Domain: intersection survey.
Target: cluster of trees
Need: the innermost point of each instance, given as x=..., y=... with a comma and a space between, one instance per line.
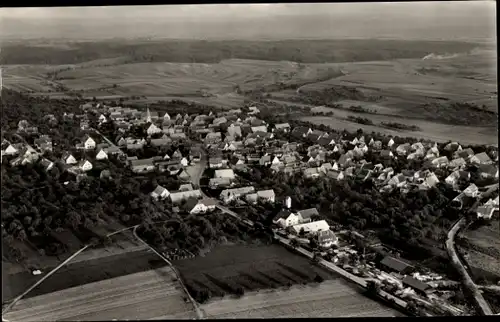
x=401, y=126
x=361, y=109
x=459, y=113
x=305, y=51
x=360, y=120
x=329, y=95
x=195, y=233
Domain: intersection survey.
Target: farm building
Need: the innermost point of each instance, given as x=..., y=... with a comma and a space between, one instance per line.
x=142, y=165
x=395, y=265
x=286, y=219
x=101, y=155
x=232, y=194
x=178, y=196
x=311, y=227
x=419, y=286
x=326, y=239
x=307, y=215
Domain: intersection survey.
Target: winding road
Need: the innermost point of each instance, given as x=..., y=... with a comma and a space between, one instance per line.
x=481, y=303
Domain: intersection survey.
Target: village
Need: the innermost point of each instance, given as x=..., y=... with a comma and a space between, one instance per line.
x=206, y=154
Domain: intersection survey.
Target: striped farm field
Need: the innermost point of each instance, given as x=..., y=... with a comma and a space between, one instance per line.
x=145, y=295
x=332, y=298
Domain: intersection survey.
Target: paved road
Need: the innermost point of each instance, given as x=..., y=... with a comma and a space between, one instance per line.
x=467, y=280
x=199, y=312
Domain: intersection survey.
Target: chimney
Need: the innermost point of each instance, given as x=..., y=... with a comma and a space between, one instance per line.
x=288, y=202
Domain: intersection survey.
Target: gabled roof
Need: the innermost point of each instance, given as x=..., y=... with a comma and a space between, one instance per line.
x=416, y=284
x=159, y=190
x=307, y=213
x=283, y=214
x=266, y=193
x=482, y=157
x=395, y=264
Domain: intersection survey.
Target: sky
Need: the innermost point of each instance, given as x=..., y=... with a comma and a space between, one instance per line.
x=436, y=19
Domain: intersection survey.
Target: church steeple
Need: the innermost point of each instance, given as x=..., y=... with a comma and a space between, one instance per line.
x=148, y=116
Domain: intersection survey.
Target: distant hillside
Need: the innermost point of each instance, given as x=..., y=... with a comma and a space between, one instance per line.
x=188, y=51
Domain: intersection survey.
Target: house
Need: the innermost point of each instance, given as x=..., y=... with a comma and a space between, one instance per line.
x=390, y=143
x=178, y=136
x=398, y=180
x=12, y=149
x=363, y=174
x=88, y=143
x=471, y=191
x=46, y=164
x=67, y=158
x=440, y=162
x=101, y=155
x=203, y=206
x=312, y=172
x=336, y=175
x=153, y=129
x=286, y=219
x=419, y=286
x=455, y=176
x=429, y=181
x=465, y=154
x=213, y=138
x=457, y=163
x=311, y=227
x=219, y=120
x=266, y=195
x=392, y=264
x=265, y=160
x=229, y=195
x=344, y=160
x=284, y=127
x=102, y=119
x=326, y=239
x=184, y=162
x=488, y=171
x=219, y=182
x=234, y=130
x=166, y=117
x=85, y=165
x=306, y=215
x=403, y=149
x=160, y=193
x=215, y=162
x=44, y=144
x=252, y=198
x=179, y=196
x=325, y=167
x=480, y=158
x=142, y=165
x=432, y=153
x=224, y=173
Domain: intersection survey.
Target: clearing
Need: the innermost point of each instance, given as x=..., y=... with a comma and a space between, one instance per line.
x=144, y=295
x=333, y=298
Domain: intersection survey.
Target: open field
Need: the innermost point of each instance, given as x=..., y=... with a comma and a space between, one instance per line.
x=250, y=267
x=145, y=295
x=430, y=130
x=81, y=272
x=482, y=239
x=333, y=298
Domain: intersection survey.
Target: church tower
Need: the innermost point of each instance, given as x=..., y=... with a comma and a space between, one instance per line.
x=148, y=116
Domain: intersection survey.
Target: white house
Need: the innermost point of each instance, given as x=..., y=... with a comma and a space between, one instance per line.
x=153, y=129
x=261, y=128
x=85, y=165
x=286, y=219
x=101, y=155
x=69, y=159
x=102, y=119
x=203, y=206
x=232, y=194
x=390, y=143
x=10, y=150
x=184, y=162
x=160, y=193
x=266, y=195
x=89, y=143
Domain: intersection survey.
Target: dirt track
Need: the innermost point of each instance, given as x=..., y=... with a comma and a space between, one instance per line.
x=146, y=295
x=333, y=298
